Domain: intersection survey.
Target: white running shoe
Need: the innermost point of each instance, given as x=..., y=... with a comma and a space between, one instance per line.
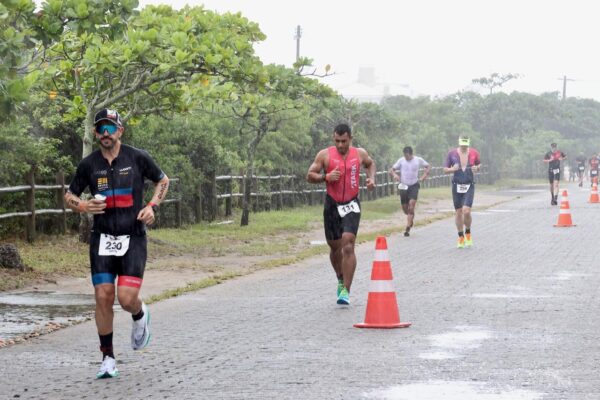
x=108, y=369
x=140, y=331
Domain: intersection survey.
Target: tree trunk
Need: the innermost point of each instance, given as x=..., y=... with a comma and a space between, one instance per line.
x=247, y=188
x=85, y=223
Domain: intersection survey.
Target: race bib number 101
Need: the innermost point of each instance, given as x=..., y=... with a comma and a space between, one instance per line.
x=113, y=245
x=346, y=209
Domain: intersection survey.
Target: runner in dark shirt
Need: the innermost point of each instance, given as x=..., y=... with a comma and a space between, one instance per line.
x=115, y=177
x=553, y=159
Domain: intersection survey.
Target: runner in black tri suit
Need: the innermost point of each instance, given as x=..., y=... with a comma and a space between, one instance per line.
x=115, y=176
x=553, y=159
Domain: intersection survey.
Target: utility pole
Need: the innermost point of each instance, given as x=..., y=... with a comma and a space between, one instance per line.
x=564, y=79
x=297, y=37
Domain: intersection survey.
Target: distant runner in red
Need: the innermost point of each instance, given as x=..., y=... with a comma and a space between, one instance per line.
x=339, y=167
x=553, y=159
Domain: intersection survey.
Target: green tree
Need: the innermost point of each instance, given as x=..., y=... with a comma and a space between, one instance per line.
x=26, y=35
x=495, y=80
x=263, y=108
x=157, y=62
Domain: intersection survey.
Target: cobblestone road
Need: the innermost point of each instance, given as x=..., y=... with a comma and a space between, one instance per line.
x=515, y=317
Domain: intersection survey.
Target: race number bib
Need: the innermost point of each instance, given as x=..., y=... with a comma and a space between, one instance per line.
x=556, y=171
x=594, y=172
x=581, y=168
x=346, y=209
x=402, y=186
x=462, y=188
x=113, y=245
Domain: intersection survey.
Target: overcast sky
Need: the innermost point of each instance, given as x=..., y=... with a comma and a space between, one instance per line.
x=434, y=46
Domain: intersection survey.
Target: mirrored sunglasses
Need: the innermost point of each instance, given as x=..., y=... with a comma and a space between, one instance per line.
x=106, y=128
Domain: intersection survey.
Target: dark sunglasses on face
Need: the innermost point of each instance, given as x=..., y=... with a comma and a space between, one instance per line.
x=106, y=128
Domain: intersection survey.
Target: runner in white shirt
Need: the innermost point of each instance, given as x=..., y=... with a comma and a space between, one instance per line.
x=406, y=171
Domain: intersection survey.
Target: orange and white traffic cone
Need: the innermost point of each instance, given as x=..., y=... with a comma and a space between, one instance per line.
x=594, y=198
x=382, y=307
x=564, y=214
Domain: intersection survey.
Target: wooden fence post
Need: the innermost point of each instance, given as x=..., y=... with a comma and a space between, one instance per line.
x=60, y=202
x=293, y=195
x=178, y=205
x=255, y=189
x=386, y=180
x=30, y=204
x=280, y=195
x=229, y=200
x=268, y=194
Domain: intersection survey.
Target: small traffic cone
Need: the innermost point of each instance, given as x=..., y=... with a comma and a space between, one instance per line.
x=382, y=307
x=594, y=198
x=564, y=214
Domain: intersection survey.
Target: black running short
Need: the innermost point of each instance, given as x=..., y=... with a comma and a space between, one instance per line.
x=461, y=200
x=129, y=267
x=552, y=176
x=412, y=193
x=335, y=226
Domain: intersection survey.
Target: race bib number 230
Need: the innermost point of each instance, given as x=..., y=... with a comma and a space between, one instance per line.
x=113, y=245
x=346, y=209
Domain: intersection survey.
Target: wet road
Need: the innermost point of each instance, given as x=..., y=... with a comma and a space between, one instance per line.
x=513, y=318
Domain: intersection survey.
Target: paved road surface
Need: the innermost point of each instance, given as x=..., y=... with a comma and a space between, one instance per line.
x=516, y=317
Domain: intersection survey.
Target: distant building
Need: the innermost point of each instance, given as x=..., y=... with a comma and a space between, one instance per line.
x=366, y=87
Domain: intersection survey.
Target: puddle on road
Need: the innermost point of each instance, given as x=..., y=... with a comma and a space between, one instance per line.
x=438, y=355
x=23, y=313
x=448, y=390
x=465, y=337
x=566, y=275
x=507, y=296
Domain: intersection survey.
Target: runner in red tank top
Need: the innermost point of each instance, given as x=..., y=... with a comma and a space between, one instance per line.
x=339, y=167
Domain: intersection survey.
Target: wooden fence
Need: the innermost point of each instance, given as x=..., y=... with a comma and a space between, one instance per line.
x=60, y=210
x=276, y=191
x=269, y=192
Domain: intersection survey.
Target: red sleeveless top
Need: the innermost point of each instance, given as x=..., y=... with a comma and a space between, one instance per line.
x=346, y=188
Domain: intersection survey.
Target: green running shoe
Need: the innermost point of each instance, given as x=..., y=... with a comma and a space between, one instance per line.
x=340, y=287
x=344, y=297
x=468, y=240
x=108, y=369
x=461, y=242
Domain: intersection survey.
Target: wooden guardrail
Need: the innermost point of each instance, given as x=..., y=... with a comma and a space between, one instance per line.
x=60, y=210
x=268, y=192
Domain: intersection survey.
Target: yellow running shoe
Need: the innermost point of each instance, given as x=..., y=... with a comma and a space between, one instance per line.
x=468, y=240
x=461, y=242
